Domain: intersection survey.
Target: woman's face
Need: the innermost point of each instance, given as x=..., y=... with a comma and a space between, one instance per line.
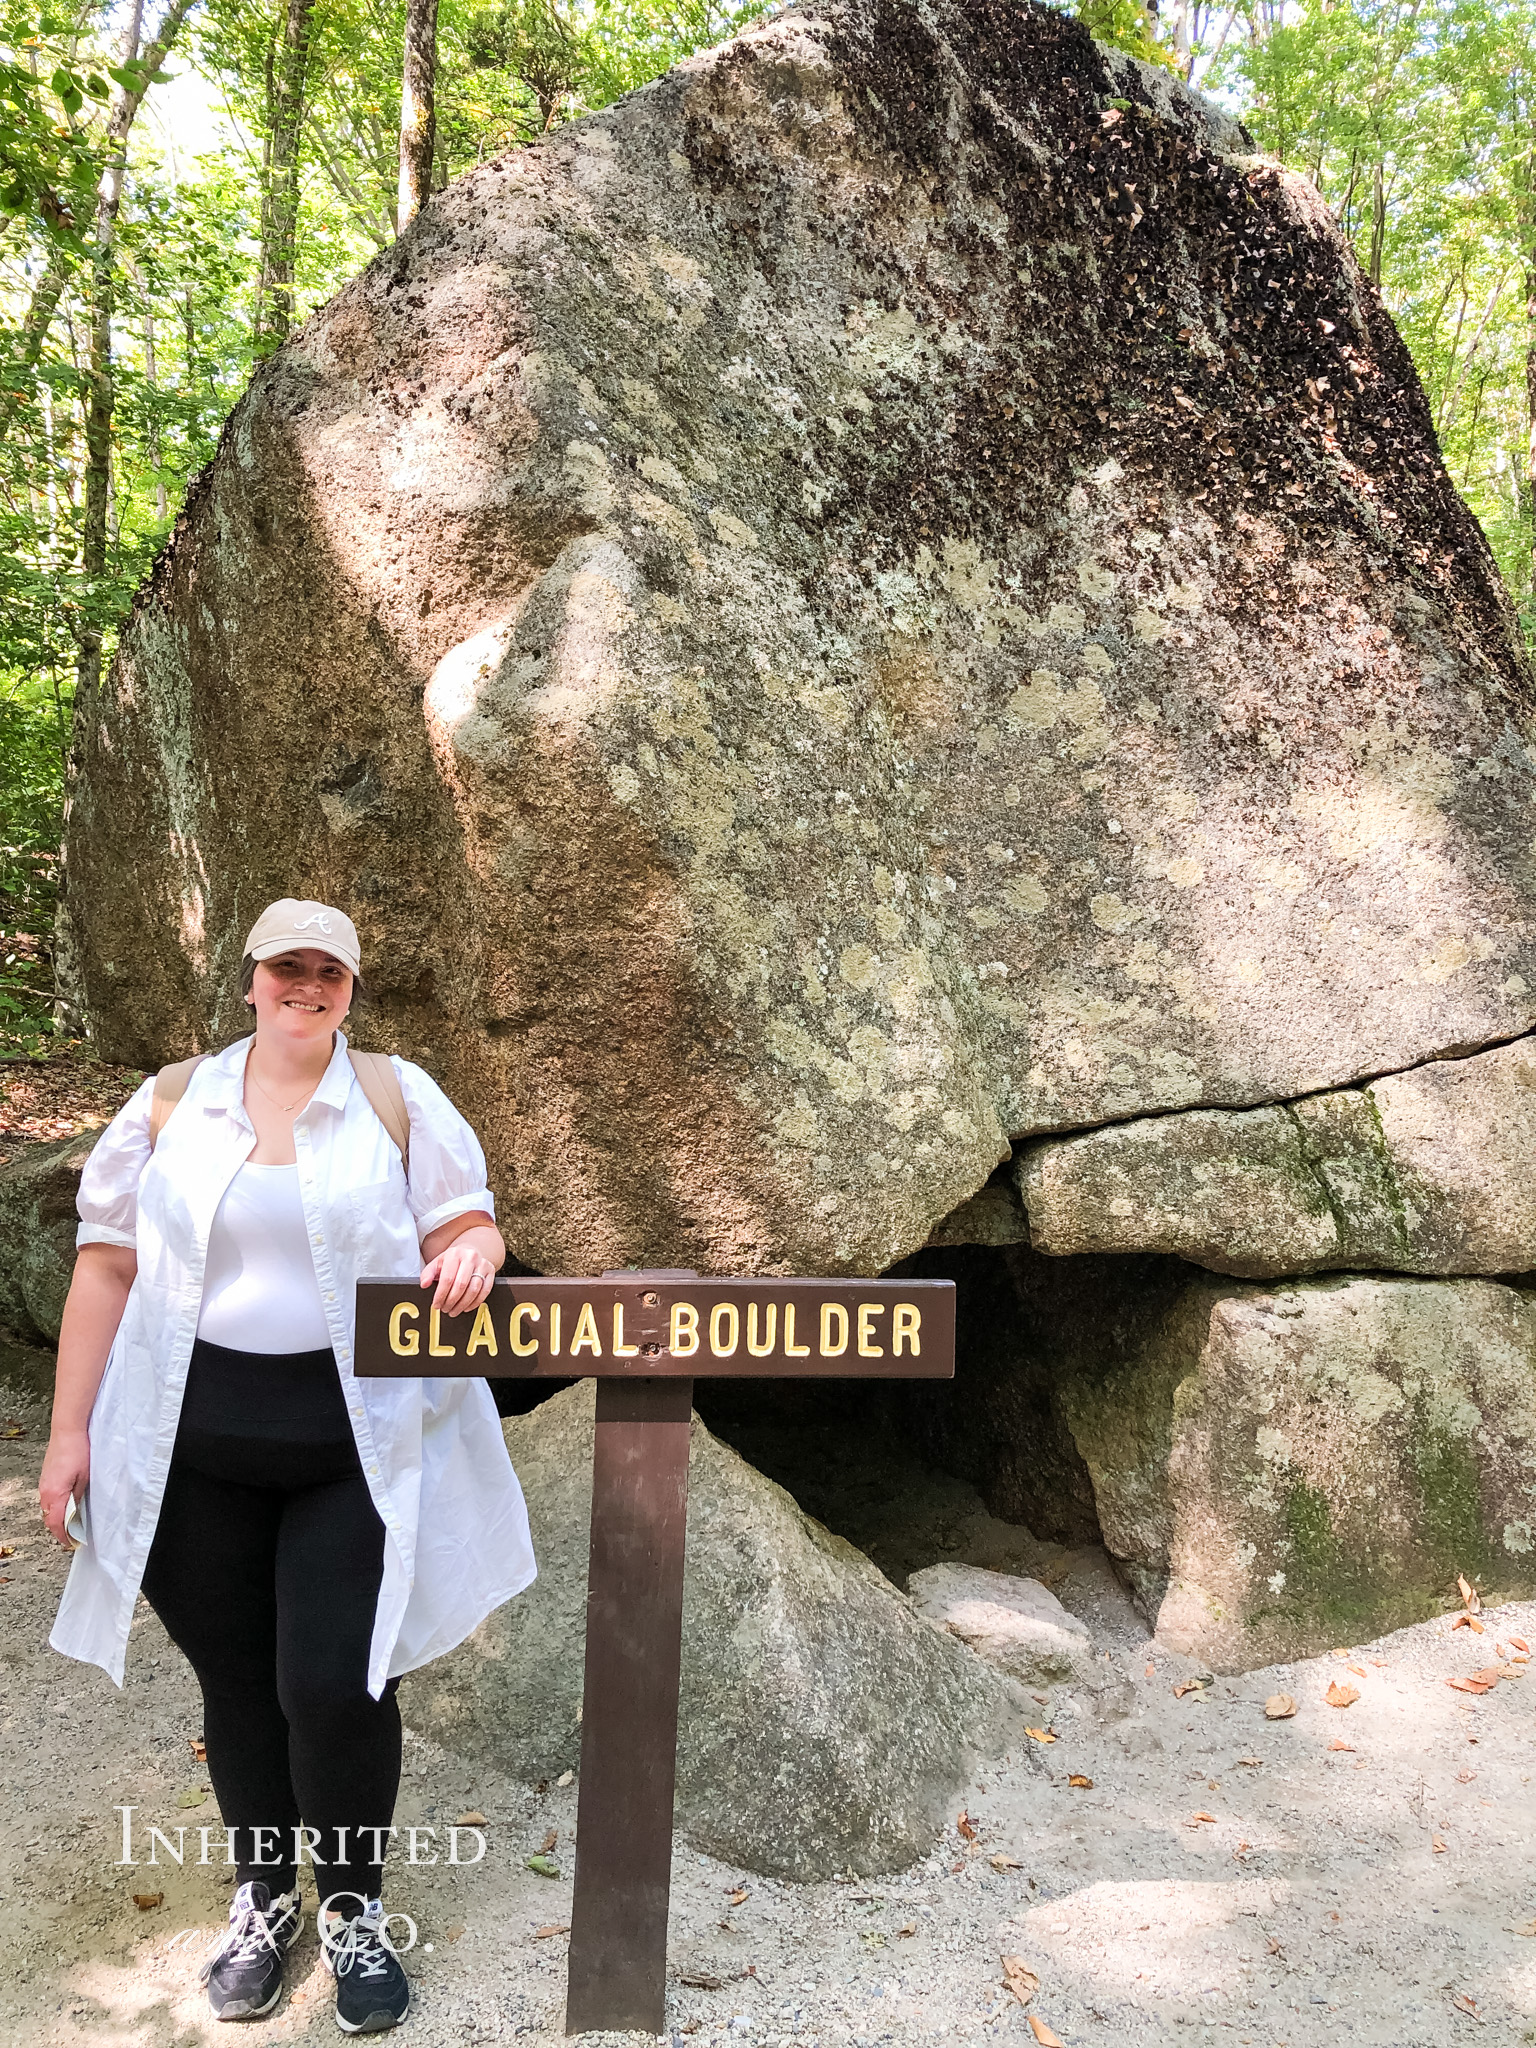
x=302, y=995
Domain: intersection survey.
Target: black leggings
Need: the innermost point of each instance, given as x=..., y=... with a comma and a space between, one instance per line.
x=265, y=1570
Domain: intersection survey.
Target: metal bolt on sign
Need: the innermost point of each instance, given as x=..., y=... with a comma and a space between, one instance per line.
x=645, y=1337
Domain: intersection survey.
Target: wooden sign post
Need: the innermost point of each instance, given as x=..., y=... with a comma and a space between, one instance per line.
x=645, y=1337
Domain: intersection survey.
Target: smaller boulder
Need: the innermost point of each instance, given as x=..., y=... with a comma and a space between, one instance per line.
x=1016, y=1624
x=38, y=1220
x=822, y=1725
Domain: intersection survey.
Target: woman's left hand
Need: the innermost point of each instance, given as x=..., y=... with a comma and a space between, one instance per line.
x=464, y=1275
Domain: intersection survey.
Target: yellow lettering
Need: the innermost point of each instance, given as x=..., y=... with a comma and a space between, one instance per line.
x=771, y=1316
x=521, y=1346
x=684, y=1340
x=791, y=1348
x=482, y=1337
x=586, y=1332
x=404, y=1343
x=868, y=1310
x=554, y=1329
x=829, y=1309
x=620, y=1348
x=906, y=1322
x=717, y=1316
x=436, y=1348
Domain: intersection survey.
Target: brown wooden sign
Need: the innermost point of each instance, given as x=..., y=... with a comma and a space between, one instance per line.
x=674, y=1326
x=645, y=1337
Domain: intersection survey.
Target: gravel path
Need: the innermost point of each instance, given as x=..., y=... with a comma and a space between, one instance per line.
x=1358, y=1874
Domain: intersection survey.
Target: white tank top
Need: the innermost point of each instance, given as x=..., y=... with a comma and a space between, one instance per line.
x=259, y=1288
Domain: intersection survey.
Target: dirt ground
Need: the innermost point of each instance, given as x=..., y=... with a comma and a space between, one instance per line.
x=1358, y=1874
x=46, y=1099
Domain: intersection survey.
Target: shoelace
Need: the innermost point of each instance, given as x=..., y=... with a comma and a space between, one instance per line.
x=363, y=1942
x=244, y=1938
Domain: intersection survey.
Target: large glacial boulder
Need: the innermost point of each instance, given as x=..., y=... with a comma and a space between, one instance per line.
x=823, y=1724
x=891, y=591
x=1424, y=1172
x=1283, y=1469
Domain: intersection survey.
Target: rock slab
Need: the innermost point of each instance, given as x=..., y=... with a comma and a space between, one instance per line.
x=1427, y=1171
x=824, y=1726
x=890, y=591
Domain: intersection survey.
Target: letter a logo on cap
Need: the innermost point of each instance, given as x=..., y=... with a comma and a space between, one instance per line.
x=303, y=924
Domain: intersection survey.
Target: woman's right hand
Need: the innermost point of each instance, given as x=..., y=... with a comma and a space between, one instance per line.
x=66, y=1470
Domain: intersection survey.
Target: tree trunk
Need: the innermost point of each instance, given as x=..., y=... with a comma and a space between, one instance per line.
x=418, y=110
x=34, y=330
x=99, y=393
x=280, y=196
x=152, y=438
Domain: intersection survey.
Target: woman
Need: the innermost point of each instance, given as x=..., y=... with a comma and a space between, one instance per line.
x=305, y=1536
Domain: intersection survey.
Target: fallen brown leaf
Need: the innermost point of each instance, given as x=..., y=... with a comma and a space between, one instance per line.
x=1519, y=1643
x=1242, y=1848
x=1254, y=1763
x=1469, y=1596
x=1190, y=1685
x=1463, y=2003
x=1043, y=2034
x=12, y=1431
x=1002, y=1862
x=1337, y=1744
x=1469, y=1685
x=1151, y=1671
x=966, y=1828
x=1465, y=1777
x=1040, y=1734
x=902, y=1933
x=1083, y=1784
x=1196, y=1820
x=473, y=1819
x=199, y=1749
x=738, y=1897
x=147, y=1901
x=1020, y=1979
x=1528, y=1930
x=1358, y=1669
x=7, y=1550
x=1341, y=1695
x=1490, y=1674
x=1279, y=1707
x=1274, y=1947
x=549, y=1841
x=697, y=1980
x=1437, y=1844
x=1467, y=1621
x=539, y=1933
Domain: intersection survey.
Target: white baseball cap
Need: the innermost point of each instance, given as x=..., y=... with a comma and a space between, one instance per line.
x=289, y=923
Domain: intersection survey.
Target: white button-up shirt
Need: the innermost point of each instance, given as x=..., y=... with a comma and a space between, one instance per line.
x=457, y=1542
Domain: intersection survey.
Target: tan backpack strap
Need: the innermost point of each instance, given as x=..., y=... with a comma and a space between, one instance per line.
x=170, y=1086
x=378, y=1080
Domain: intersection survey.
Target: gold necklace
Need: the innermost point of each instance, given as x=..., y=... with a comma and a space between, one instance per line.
x=286, y=1107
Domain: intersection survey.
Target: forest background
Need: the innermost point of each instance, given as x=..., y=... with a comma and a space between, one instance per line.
x=183, y=181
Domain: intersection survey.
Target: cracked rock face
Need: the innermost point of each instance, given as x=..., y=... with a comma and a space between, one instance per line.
x=1423, y=1172
x=889, y=592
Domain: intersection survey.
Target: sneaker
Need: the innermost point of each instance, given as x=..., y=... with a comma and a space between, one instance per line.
x=244, y=1973
x=372, y=1990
